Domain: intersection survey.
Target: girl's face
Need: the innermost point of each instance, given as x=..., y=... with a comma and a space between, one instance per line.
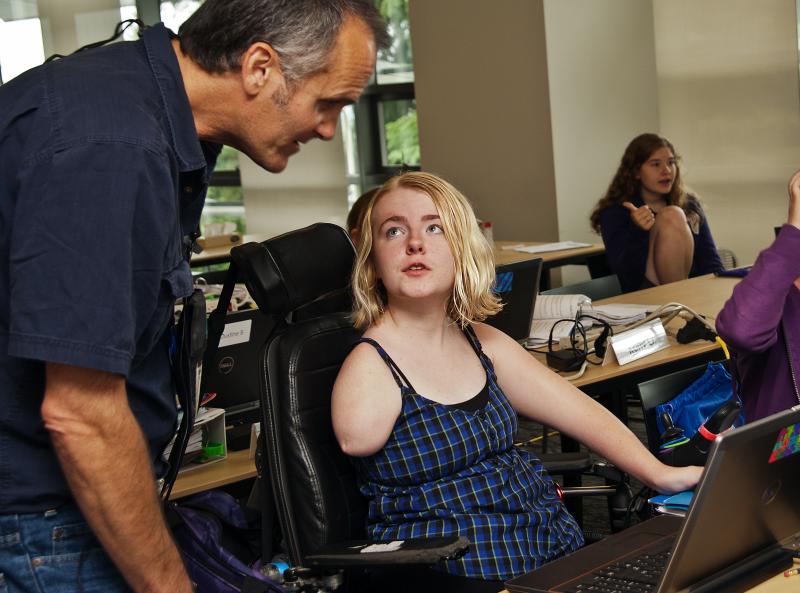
x=409, y=249
x=657, y=174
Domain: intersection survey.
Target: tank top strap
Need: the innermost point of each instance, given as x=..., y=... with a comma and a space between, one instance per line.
x=476, y=345
x=399, y=377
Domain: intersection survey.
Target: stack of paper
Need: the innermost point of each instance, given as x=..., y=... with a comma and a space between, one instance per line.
x=545, y=247
x=552, y=307
x=620, y=314
x=199, y=435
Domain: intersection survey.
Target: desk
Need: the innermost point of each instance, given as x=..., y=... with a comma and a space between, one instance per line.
x=777, y=584
x=705, y=295
x=221, y=254
x=234, y=468
x=550, y=259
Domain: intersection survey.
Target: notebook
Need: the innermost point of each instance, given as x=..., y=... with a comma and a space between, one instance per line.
x=746, y=505
x=517, y=285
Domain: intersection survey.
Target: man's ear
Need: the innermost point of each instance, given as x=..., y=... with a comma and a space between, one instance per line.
x=260, y=67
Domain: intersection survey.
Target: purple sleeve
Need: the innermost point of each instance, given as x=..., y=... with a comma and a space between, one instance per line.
x=626, y=246
x=750, y=318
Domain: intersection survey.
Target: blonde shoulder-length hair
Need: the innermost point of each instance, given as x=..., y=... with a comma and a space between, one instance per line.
x=472, y=298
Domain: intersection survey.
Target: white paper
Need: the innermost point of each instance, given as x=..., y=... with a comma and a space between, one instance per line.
x=545, y=247
x=620, y=314
x=236, y=333
x=638, y=342
x=559, y=306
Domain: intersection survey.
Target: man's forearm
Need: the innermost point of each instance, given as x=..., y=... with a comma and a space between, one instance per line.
x=104, y=458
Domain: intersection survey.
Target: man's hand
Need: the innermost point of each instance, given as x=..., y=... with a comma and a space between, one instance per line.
x=106, y=463
x=643, y=217
x=794, y=200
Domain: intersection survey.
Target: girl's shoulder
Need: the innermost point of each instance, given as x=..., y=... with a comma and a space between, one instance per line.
x=693, y=203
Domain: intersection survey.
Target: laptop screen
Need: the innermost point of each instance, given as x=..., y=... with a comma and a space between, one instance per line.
x=517, y=285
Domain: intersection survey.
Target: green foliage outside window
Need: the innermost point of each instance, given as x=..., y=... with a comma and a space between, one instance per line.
x=395, y=12
x=228, y=159
x=402, y=134
x=224, y=193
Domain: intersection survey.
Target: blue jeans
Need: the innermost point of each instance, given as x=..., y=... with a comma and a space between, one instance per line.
x=54, y=552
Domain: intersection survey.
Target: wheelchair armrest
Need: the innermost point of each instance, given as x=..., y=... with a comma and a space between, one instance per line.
x=420, y=550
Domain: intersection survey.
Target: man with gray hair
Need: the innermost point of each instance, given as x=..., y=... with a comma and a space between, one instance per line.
x=105, y=158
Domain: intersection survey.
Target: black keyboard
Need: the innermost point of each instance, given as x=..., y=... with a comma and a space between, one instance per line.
x=639, y=574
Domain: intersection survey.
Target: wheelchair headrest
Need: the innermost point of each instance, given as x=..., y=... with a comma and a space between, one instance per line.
x=287, y=272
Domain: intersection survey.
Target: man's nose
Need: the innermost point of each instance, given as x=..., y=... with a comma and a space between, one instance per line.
x=326, y=129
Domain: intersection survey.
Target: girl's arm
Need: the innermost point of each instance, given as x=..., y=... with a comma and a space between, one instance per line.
x=749, y=320
x=366, y=403
x=626, y=246
x=538, y=393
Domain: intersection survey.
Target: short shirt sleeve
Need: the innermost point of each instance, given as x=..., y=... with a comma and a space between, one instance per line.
x=94, y=255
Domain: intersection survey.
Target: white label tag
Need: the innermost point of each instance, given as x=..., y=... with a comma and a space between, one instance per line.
x=387, y=547
x=236, y=333
x=638, y=342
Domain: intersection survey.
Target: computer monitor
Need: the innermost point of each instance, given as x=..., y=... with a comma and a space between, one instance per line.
x=517, y=285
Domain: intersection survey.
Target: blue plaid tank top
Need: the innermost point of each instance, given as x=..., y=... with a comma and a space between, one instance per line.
x=448, y=471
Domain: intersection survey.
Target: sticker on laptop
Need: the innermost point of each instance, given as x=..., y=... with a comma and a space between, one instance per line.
x=503, y=282
x=788, y=443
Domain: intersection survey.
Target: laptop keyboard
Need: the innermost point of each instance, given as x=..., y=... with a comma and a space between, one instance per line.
x=639, y=574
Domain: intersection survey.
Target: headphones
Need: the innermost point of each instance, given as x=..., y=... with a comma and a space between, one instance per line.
x=572, y=358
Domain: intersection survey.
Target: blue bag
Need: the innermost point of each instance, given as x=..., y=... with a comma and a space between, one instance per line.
x=690, y=408
x=207, y=528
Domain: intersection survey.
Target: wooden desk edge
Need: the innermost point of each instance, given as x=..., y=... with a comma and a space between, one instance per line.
x=234, y=468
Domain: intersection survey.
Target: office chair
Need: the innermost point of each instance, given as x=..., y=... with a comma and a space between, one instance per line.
x=595, y=289
x=727, y=257
x=313, y=484
x=598, y=265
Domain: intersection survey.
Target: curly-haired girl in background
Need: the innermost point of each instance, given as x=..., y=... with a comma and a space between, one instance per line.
x=655, y=232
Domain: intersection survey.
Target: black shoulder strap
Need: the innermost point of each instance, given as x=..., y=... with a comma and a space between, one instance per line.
x=398, y=375
x=216, y=320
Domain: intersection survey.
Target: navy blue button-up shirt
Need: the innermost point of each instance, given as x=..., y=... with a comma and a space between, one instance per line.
x=96, y=153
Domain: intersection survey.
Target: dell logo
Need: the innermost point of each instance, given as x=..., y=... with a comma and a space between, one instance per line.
x=225, y=365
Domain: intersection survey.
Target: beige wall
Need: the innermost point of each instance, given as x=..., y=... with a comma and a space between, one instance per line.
x=527, y=105
x=603, y=91
x=311, y=189
x=483, y=107
x=728, y=93
x=69, y=25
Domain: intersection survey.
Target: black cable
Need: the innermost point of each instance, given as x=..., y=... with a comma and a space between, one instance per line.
x=567, y=359
x=119, y=30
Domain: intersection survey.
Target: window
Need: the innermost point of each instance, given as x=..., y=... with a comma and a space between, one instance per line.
x=30, y=31
x=380, y=132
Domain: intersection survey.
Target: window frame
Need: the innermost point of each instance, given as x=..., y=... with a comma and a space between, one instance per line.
x=371, y=149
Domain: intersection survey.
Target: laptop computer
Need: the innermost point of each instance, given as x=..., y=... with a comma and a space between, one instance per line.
x=233, y=374
x=517, y=285
x=745, y=508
